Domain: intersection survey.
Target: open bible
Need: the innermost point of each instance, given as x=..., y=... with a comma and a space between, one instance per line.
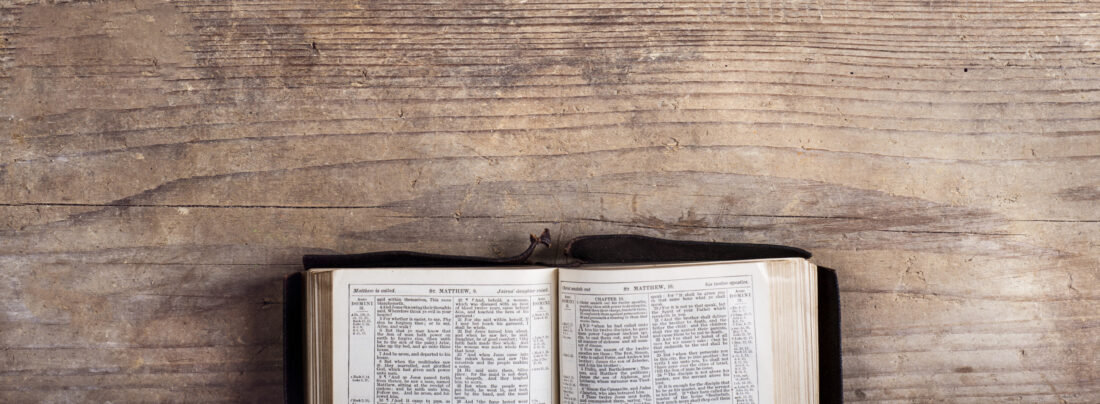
x=629, y=319
x=697, y=332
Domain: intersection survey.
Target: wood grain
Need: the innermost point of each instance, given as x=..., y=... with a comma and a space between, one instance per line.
x=164, y=164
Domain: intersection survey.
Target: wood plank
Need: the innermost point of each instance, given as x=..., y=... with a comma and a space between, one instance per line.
x=163, y=164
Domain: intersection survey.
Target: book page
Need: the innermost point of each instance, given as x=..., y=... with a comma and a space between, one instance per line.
x=694, y=333
x=444, y=336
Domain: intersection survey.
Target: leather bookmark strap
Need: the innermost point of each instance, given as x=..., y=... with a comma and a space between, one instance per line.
x=403, y=259
x=627, y=248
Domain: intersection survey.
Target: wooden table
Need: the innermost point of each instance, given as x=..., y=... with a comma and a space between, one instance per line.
x=164, y=164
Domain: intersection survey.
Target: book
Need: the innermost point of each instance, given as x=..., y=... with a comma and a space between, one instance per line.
x=473, y=330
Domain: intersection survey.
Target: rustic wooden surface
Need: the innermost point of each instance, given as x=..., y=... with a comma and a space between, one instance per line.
x=164, y=164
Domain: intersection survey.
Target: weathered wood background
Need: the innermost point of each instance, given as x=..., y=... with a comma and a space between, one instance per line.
x=164, y=164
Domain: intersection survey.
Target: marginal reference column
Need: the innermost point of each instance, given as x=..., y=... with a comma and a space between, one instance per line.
x=742, y=341
x=361, y=334
x=542, y=344
x=567, y=345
